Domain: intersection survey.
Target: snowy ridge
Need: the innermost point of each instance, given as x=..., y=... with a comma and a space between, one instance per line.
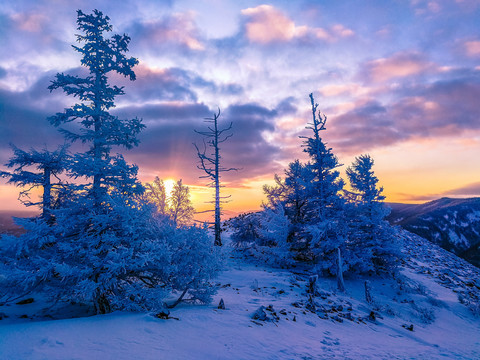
x=451, y=223
x=444, y=268
x=423, y=298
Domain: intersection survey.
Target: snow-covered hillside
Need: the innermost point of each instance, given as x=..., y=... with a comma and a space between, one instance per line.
x=431, y=311
x=454, y=224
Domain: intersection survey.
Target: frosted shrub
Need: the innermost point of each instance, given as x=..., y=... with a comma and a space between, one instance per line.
x=127, y=260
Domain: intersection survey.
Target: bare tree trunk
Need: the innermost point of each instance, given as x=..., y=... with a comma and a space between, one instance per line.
x=47, y=195
x=97, y=150
x=218, y=240
x=102, y=305
x=340, y=283
x=179, y=300
x=368, y=294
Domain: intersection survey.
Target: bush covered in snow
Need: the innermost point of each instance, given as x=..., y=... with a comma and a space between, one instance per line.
x=126, y=259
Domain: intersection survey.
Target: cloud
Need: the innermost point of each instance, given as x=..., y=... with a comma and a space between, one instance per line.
x=467, y=190
x=24, y=126
x=33, y=23
x=166, y=147
x=286, y=106
x=265, y=24
x=399, y=65
x=170, y=84
x=350, y=89
x=268, y=24
x=368, y=125
x=177, y=29
x=472, y=48
x=157, y=84
x=442, y=109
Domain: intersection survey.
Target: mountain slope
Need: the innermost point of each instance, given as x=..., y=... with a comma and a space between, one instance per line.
x=453, y=224
x=426, y=312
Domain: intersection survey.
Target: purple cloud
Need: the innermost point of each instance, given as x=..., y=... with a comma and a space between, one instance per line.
x=467, y=190
x=443, y=108
x=167, y=143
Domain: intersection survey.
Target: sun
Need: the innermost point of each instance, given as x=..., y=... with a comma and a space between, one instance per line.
x=169, y=184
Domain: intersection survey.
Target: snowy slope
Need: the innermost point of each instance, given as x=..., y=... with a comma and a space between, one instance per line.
x=454, y=224
x=426, y=295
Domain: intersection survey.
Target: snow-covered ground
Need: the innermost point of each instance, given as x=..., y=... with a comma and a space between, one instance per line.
x=344, y=326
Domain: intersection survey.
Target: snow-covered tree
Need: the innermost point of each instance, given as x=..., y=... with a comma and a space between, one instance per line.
x=177, y=207
x=48, y=164
x=181, y=210
x=156, y=194
x=105, y=248
x=324, y=189
x=264, y=235
x=97, y=128
x=310, y=198
x=290, y=194
x=324, y=229
x=372, y=244
x=244, y=229
x=364, y=182
x=210, y=164
x=126, y=260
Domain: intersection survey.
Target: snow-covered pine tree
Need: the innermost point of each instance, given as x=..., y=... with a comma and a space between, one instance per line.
x=99, y=130
x=48, y=164
x=309, y=197
x=110, y=181
x=210, y=164
x=324, y=189
x=290, y=194
x=177, y=207
x=244, y=229
x=274, y=229
x=324, y=231
x=106, y=248
x=372, y=242
x=181, y=210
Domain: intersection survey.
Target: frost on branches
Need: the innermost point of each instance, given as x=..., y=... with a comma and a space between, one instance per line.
x=372, y=242
x=177, y=207
x=314, y=220
x=103, y=246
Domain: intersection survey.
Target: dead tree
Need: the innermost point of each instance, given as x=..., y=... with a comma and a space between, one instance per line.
x=210, y=164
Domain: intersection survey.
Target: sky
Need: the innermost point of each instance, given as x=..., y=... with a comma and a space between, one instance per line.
x=399, y=80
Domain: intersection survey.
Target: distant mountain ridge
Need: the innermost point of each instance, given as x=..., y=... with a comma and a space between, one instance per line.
x=7, y=225
x=453, y=224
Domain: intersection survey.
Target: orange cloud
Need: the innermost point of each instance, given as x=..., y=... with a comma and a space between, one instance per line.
x=472, y=48
x=399, y=65
x=267, y=24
